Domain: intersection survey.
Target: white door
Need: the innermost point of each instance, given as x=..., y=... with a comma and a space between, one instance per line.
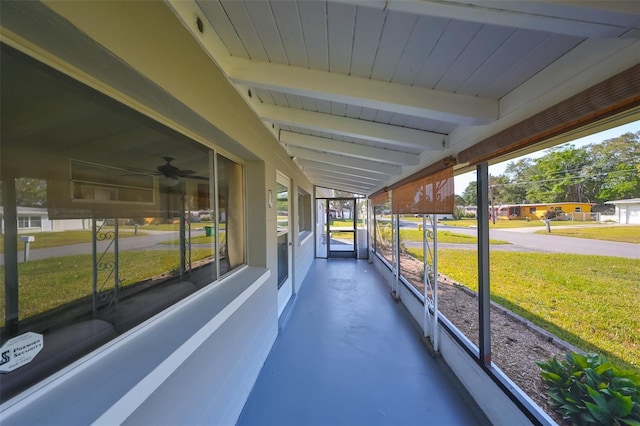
x=285, y=243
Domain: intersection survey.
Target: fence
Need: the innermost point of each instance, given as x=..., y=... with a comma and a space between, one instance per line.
x=583, y=217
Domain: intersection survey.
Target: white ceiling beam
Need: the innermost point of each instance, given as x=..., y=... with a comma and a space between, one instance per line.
x=349, y=149
x=392, y=135
x=328, y=183
x=364, y=92
x=334, y=175
x=358, y=178
x=347, y=171
x=343, y=181
x=504, y=13
x=341, y=160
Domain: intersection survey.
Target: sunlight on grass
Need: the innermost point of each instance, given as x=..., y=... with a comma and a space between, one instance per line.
x=445, y=237
x=500, y=224
x=203, y=239
x=64, y=238
x=623, y=234
x=49, y=283
x=590, y=301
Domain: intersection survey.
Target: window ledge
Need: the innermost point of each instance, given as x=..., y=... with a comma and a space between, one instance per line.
x=304, y=236
x=130, y=368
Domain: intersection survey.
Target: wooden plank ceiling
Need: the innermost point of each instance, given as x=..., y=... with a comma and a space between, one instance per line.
x=362, y=93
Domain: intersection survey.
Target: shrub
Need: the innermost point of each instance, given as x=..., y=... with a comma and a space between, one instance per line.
x=586, y=389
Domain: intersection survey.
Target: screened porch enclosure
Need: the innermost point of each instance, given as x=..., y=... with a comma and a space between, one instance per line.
x=211, y=281
x=341, y=228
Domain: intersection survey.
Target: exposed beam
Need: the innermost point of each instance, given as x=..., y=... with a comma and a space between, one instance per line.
x=392, y=135
x=349, y=149
x=359, y=178
x=354, y=163
x=507, y=13
x=341, y=186
x=348, y=171
x=341, y=178
x=364, y=92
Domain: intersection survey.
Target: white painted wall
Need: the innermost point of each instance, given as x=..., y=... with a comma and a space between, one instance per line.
x=628, y=213
x=207, y=350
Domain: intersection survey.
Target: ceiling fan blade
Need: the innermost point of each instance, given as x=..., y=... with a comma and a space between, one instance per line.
x=185, y=173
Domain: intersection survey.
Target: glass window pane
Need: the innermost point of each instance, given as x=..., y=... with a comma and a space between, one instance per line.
x=122, y=211
x=231, y=236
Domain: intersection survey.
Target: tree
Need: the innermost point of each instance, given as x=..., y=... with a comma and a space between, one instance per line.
x=470, y=194
x=31, y=192
x=595, y=173
x=559, y=176
x=519, y=174
x=459, y=201
x=615, y=167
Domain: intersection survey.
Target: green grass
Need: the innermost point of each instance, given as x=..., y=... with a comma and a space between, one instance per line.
x=445, y=237
x=624, y=234
x=49, y=283
x=64, y=238
x=172, y=226
x=203, y=239
x=590, y=301
x=500, y=224
x=343, y=223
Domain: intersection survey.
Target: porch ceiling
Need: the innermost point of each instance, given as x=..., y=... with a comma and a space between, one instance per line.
x=362, y=93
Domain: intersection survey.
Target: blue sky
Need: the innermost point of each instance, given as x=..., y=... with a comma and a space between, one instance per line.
x=462, y=181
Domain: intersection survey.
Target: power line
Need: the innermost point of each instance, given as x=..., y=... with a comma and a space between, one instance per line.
x=615, y=172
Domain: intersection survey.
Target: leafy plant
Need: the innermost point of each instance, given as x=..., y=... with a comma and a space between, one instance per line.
x=586, y=389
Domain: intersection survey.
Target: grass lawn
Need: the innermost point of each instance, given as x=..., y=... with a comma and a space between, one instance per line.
x=173, y=226
x=623, y=234
x=502, y=224
x=444, y=237
x=590, y=301
x=49, y=283
x=64, y=238
x=203, y=239
x=343, y=223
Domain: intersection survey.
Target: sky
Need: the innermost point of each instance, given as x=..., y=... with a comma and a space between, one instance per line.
x=462, y=181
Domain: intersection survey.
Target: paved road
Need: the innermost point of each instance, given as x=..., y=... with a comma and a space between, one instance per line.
x=521, y=239
x=149, y=241
x=524, y=239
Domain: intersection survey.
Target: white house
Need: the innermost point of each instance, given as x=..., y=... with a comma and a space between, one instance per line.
x=36, y=219
x=627, y=211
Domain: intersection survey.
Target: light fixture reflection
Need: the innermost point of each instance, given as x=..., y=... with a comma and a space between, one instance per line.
x=171, y=181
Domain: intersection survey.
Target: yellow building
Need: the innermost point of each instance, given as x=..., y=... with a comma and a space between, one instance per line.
x=558, y=211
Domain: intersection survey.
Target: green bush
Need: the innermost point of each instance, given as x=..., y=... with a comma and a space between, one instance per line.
x=586, y=389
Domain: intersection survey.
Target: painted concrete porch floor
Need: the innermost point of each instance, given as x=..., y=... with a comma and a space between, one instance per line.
x=349, y=355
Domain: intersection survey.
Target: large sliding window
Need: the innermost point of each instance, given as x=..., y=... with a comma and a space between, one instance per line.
x=137, y=218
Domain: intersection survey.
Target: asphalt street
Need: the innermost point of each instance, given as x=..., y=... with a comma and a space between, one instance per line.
x=149, y=241
x=520, y=239
x=525, y=239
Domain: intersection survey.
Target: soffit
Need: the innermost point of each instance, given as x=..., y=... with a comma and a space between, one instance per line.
x=414, y=77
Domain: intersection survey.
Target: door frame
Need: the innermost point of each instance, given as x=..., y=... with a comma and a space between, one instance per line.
x=354, y=215
x=285, y=286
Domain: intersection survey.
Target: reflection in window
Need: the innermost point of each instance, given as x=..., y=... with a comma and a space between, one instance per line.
x=282, y=202
x=125, y=215
x=383, y=222
x=304, y=212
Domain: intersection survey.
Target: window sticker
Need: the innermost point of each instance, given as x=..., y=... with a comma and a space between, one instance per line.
x=20, y=351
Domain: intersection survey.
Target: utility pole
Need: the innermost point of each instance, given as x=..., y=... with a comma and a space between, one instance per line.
x=493, y=209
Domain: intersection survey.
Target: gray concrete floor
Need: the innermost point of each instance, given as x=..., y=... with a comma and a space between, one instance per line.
x=349, y=355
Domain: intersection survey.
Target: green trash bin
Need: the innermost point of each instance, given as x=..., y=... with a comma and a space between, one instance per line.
x=208, y=231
